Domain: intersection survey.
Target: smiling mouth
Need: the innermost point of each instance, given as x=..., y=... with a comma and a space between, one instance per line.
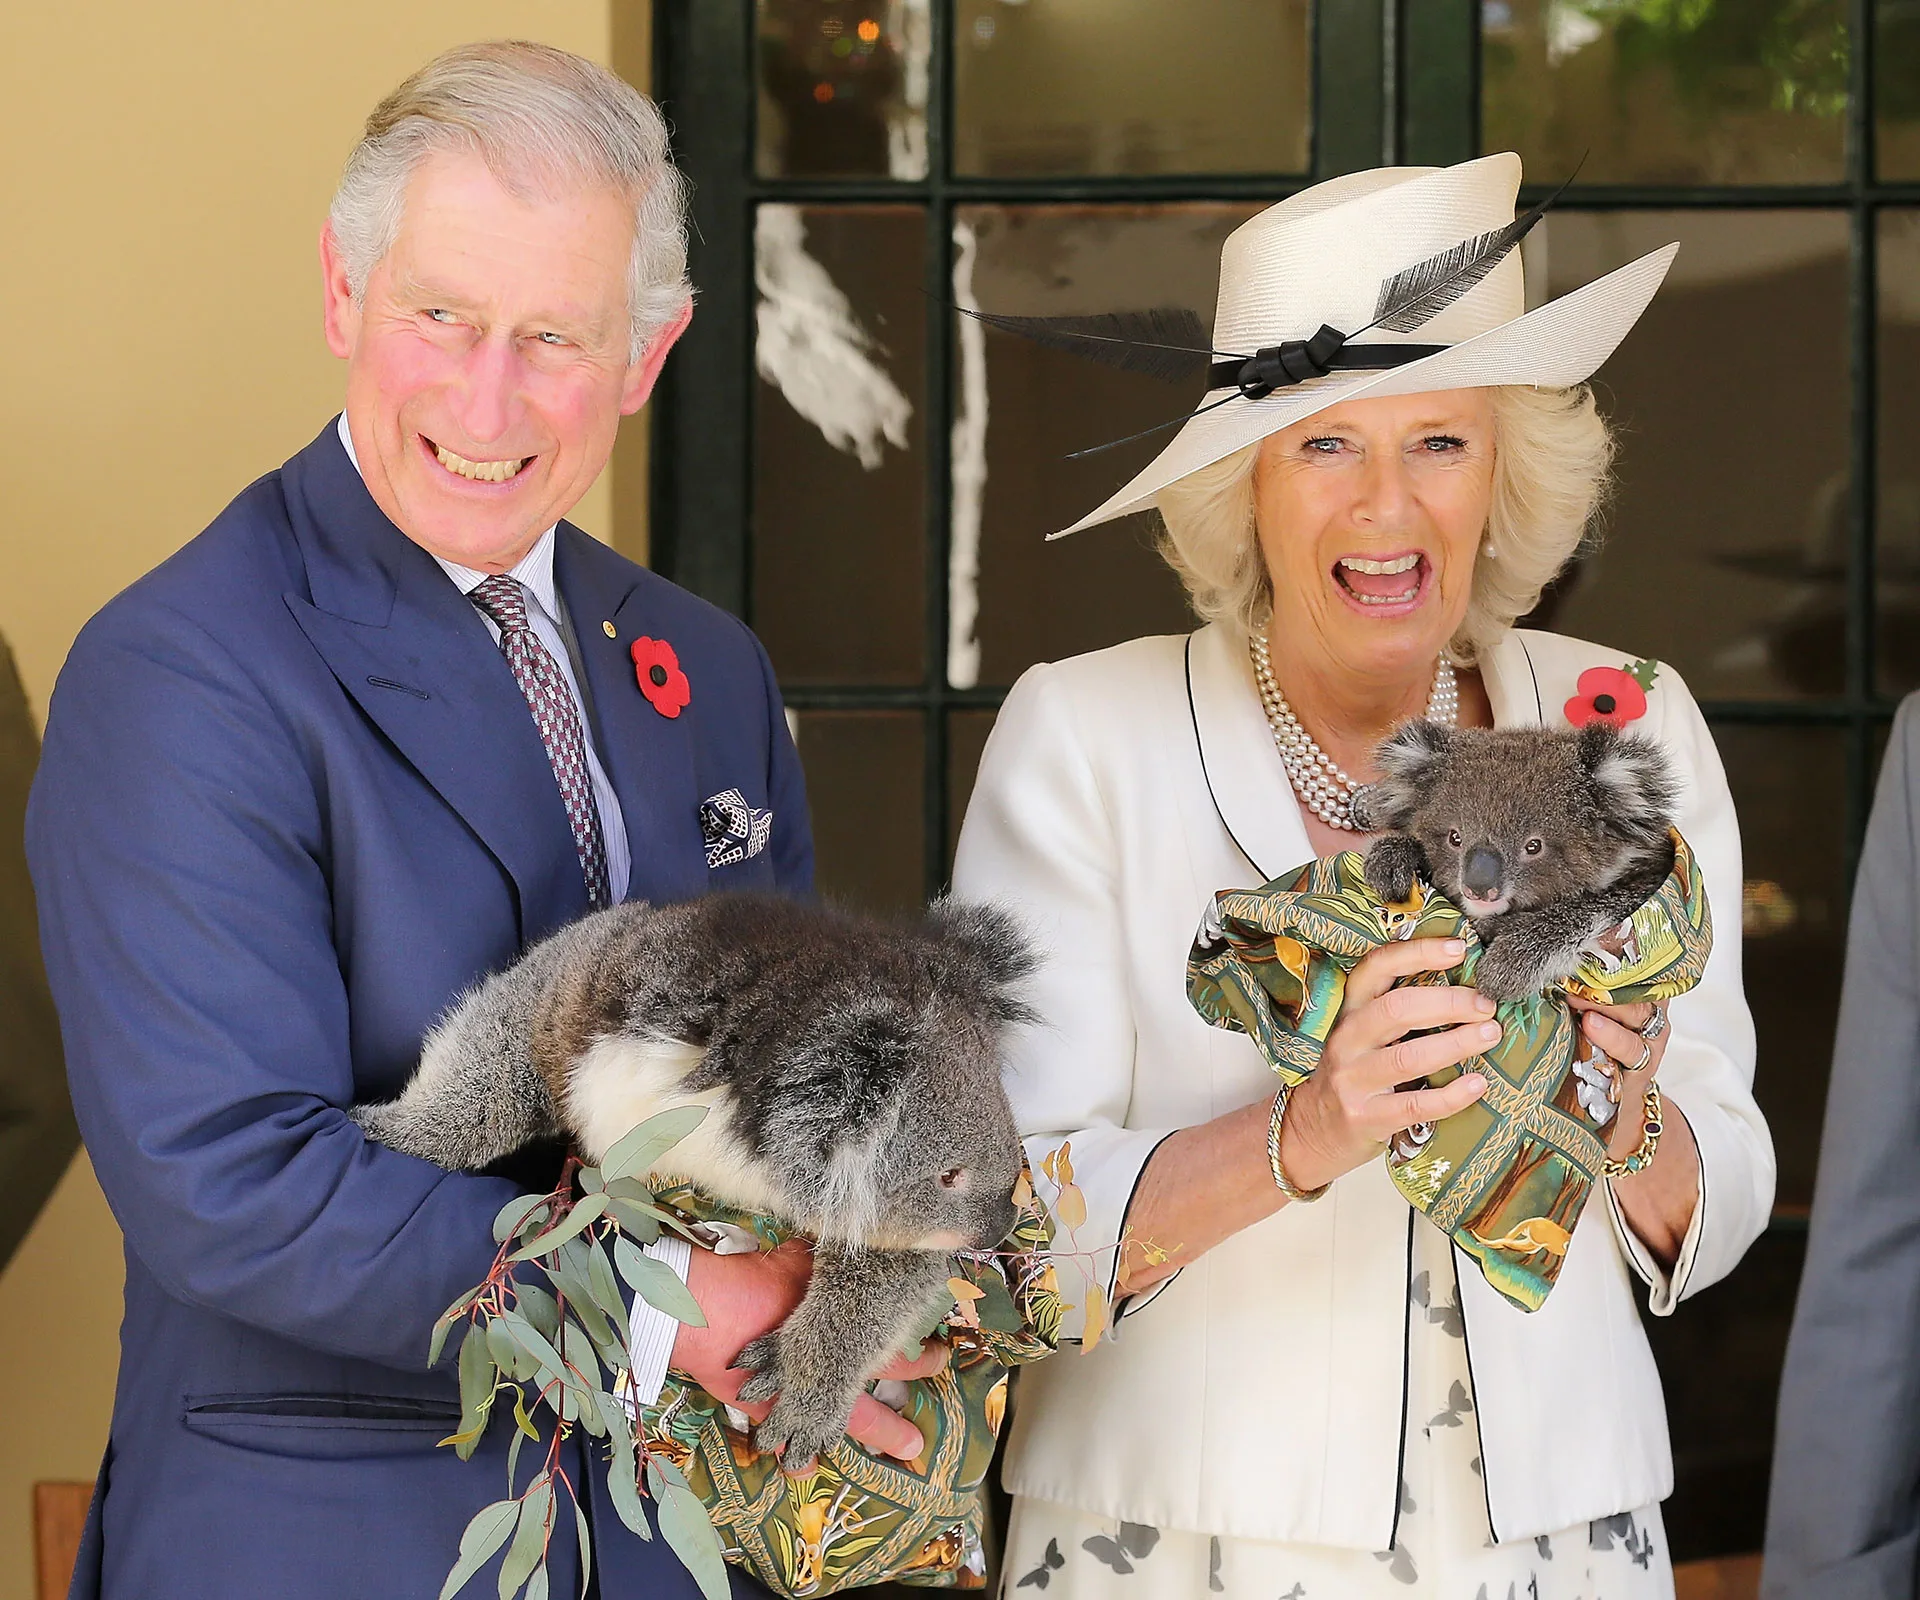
x=477, y=471
x=1474, y=906
x=1395, y=581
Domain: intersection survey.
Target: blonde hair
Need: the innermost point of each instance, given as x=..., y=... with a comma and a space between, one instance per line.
x=543, y=120
x=1552, y=455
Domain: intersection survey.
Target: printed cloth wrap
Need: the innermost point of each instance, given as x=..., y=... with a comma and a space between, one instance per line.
x=1509, y=1176
x=860, y=1519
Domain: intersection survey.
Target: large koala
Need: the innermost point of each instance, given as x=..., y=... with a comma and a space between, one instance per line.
x=852, y=1071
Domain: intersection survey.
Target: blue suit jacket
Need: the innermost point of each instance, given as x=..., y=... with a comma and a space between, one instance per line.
x=291, y=804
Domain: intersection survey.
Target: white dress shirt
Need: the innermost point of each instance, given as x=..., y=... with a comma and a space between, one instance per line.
x=651, y=1333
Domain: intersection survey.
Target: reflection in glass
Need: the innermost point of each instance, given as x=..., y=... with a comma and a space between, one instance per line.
x=864, y=791
x=1897, y=493
x=1019, y=409
x=1648, y=91
x=966, y=738
x=843, y=88
x=1726, y=542
x=1789, y=790
x=1061, y=87
x=1896, y=90
x=838, y=527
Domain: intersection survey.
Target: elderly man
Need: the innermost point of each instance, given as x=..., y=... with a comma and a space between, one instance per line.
x=379, y=727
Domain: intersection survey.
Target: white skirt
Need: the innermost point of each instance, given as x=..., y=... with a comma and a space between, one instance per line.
x=1443, y=1550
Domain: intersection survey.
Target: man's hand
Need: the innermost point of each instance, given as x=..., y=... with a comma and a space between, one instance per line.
x=747, y=1295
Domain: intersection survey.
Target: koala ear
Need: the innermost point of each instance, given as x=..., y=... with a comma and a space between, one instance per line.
x=1409, y=762
x=1631, y=780
x=992, y=945
x=869, y=1049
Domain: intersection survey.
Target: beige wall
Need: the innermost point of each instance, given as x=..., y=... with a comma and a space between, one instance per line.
x=166, y=171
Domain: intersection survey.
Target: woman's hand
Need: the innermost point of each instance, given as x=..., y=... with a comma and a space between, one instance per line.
x=1659, y=1200
x=1353, y=1104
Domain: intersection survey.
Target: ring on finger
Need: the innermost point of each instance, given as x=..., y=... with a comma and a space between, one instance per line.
x=1656, y=1024
x=1646, y=1059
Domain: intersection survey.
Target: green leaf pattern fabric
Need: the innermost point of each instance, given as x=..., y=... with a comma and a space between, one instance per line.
x=1509, y=1176
x=859, y=1519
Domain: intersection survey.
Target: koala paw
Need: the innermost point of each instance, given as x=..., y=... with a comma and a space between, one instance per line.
x=1509, y=971
x=1393, y=864
x=807, y=1419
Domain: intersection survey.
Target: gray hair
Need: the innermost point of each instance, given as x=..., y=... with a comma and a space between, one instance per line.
x=544, y=121
x=1552, y=456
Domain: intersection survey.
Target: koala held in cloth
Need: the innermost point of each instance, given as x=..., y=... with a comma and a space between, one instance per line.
x=851, y=1067
x=1543, y=837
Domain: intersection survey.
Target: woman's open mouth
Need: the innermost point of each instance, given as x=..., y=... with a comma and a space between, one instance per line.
x=1382, y=584
x=503, y=470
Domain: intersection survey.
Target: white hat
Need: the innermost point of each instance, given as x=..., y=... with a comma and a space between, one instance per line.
x=1328, y=259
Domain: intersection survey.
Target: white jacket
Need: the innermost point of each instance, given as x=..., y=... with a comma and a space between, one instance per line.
x=1261, y=1393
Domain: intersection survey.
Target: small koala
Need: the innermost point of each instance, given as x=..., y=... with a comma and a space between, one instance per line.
x=1544, y=838
x=852, y=1070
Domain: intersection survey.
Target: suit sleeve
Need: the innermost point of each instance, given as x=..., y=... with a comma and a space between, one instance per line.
x=1038, y=840
x=177, y=843
x=1707, y=1071
x=1844, y=1518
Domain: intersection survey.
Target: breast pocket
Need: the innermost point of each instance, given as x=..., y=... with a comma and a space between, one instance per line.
x=735, y=833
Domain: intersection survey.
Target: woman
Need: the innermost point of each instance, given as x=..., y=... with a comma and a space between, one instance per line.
x=1311, y=1400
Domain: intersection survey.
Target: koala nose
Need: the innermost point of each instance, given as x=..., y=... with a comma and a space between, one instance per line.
x=1481, y=871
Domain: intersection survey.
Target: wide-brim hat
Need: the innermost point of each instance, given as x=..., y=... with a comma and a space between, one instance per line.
x=1322, y=259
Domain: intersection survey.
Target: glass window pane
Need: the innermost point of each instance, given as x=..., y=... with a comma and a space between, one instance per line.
x=1725, y=545
x=966, y=738
x=1896, y=90
x=864, y=791
x=1789, y=790
x=1897, y=496
x=1713, y=91
x=1019, y=409
x=843, y=88
x=839, y=475
x=1058, y=87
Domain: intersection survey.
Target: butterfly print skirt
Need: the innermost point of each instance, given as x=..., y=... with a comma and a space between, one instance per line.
x=1442, y=1551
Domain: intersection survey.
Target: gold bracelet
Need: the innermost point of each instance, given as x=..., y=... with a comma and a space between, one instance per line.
x=1280, y=1179
x=1650, y=1132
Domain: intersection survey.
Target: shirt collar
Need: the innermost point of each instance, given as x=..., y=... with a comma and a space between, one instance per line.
x=534, y=570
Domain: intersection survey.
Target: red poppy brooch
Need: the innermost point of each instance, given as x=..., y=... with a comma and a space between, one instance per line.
x=657, y=670
x=1612, y=694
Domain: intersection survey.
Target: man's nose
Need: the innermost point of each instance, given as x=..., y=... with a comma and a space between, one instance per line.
x=490, y=381
x=1482, y=870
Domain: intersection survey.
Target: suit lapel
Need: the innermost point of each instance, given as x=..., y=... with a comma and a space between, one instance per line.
x=1237, y=755
x=415, y=657
x=648, y=758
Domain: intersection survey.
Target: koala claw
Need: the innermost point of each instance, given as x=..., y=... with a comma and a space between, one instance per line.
x=1502, y=978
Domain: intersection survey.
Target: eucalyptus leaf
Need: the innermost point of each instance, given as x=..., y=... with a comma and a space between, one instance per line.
x=537, y=1306
x=634, y=1155
x=491, y=1527
x=523, y=1424
x=529, y=1538
x=518, y=1439
x=569, y=1271
x=578, y=1349
x=687, y=1528
x=622, y=1471
x=591, y=1182
x=585, y=1537
x=477, y=1378
x=636, y=1221
x=603, y=1284
x=515, y=1213
x=438, y=1343
x=658, y=1284
x=500, y=1345
x=585, y=1210
x=537, y=1584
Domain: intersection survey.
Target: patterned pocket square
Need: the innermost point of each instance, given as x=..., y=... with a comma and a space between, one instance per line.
x=733, y=830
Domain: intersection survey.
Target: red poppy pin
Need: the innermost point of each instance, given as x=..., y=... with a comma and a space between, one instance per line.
x=657, y=670
x=1612, y=694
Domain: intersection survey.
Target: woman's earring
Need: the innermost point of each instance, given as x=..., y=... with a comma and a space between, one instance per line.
x=1489, y=552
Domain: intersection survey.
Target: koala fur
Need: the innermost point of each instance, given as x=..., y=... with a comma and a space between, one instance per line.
x=852, y=1071
x=1543, y=837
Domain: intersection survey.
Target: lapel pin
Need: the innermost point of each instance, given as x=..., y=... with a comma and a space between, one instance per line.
x=609, y=630
x=656, y=668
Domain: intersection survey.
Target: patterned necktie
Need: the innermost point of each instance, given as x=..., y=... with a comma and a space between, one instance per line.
x=550, y=699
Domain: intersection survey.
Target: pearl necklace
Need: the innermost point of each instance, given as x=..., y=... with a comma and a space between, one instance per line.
x=1324, y=788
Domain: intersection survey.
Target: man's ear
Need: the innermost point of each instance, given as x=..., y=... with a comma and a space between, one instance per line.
x=645, y=373
x=339, y=315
